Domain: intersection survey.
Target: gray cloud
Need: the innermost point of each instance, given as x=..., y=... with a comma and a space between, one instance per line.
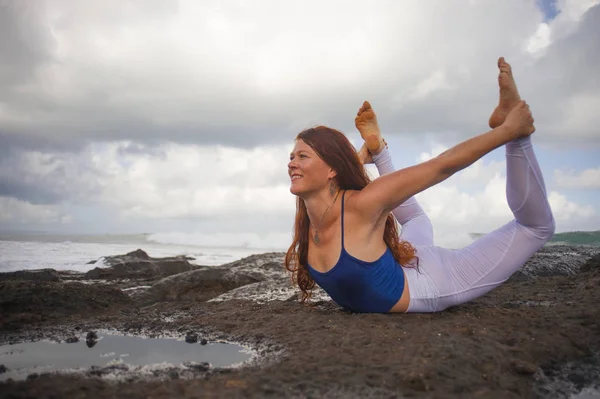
x=74, y=80
x=210, y=91
x=48, y=178
x=25, y=41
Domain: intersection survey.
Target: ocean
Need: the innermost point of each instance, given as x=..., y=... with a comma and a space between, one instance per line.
x=21, y=251
x=26, y=251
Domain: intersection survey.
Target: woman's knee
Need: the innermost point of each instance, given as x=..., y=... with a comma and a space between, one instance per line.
x=546, y=232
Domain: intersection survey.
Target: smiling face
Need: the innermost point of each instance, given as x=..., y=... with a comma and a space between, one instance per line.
x=307, y=171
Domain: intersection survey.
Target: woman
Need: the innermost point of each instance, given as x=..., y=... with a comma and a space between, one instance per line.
x=345, y=235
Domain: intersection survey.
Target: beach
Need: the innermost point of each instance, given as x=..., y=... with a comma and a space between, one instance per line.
x=537, y=335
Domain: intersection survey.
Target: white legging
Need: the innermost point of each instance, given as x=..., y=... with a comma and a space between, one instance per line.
x=447, y=277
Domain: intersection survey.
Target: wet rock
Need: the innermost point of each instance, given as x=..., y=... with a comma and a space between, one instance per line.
x=203, y=366
x=203, y=341
x=72, y=340
x=33, y=376
x=32, y=275
x=209, y=282
x=91, y=335
x=466, y=351
x=555, y=260
x=102, y=371
x=139, y=265
x=592, y=264
x=191, y=337
x=28, y=301
x=569, y=379
x=3, y=369
x=523, y=367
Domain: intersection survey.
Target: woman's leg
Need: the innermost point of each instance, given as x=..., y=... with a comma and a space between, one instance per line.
x=488, y=262
x=416, y=226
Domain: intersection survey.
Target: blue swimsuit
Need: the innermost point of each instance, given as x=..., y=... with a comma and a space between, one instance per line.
x=368, y=287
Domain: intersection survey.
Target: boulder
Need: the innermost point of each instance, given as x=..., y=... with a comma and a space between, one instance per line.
x=139, y=265
x=209, y=282
x=555, y=260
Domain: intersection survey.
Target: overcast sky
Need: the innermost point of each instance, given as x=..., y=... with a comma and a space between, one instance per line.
x=177, y=117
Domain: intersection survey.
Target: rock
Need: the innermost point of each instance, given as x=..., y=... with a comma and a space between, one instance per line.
x=203, y=366
x=91, y=335
x=3, y=369
x=138, y=265
x=556, y=260
x=26, y=301
x=72, y=340
x=209, y=282
x=32, y=275
x=203, y=341
x=191, y=337
x=523, y=367
x=591, y=264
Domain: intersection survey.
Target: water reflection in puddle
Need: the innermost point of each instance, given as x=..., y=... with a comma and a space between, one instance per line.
x=44, y=356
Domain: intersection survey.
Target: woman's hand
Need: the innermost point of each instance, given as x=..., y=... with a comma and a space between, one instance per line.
x=520, y=121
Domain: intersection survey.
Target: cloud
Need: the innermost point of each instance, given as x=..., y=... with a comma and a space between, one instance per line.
x=170, y=116
x=172, y=181
x=21, y=212
x=234, y=74
x=586, y=179
x=567, y=212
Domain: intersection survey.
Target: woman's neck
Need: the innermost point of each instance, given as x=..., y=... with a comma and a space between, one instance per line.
x=320, y=207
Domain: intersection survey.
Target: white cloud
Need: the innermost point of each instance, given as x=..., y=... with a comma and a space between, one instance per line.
x=586, y=179
x=178, y=111
x=15, y=211
x=174, y=181
x=569, y=212
x=540, y=40
x=237, y=72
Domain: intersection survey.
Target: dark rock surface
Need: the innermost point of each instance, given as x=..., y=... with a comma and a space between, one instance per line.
x=209, y=282
x=522, y=340
x=138, y=265
x=32, y=275
x=22, y=302
x=556, y=260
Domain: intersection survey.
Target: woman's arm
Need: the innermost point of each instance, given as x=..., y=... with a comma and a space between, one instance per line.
x=389, y=191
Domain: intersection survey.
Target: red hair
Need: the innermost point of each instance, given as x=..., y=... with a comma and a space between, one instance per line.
x=336, y=151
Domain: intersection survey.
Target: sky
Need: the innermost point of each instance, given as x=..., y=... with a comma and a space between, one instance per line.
x=177, y=117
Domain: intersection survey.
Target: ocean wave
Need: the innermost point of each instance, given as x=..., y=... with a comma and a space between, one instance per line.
x=272, y=241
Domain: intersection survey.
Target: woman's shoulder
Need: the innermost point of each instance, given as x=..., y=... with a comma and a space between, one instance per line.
x=355, y=203
x=352, y=199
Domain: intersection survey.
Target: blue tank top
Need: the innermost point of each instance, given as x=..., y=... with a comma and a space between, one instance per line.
x=367, y=287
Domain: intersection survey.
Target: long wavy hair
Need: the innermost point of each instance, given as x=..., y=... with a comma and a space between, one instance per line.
x=336, y=151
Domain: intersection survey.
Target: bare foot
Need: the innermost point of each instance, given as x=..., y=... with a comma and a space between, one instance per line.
x=364, y=155
x=509, y=95
x=366, y=123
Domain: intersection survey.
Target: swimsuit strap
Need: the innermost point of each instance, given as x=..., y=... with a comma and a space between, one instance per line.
x=343, y=195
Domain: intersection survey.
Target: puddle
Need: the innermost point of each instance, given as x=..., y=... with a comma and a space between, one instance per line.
x=26, y=358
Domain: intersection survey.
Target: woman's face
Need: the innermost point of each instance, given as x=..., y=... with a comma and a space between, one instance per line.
x=307, y=171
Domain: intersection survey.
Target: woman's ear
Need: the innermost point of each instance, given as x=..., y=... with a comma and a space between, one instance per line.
x=332, y=174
